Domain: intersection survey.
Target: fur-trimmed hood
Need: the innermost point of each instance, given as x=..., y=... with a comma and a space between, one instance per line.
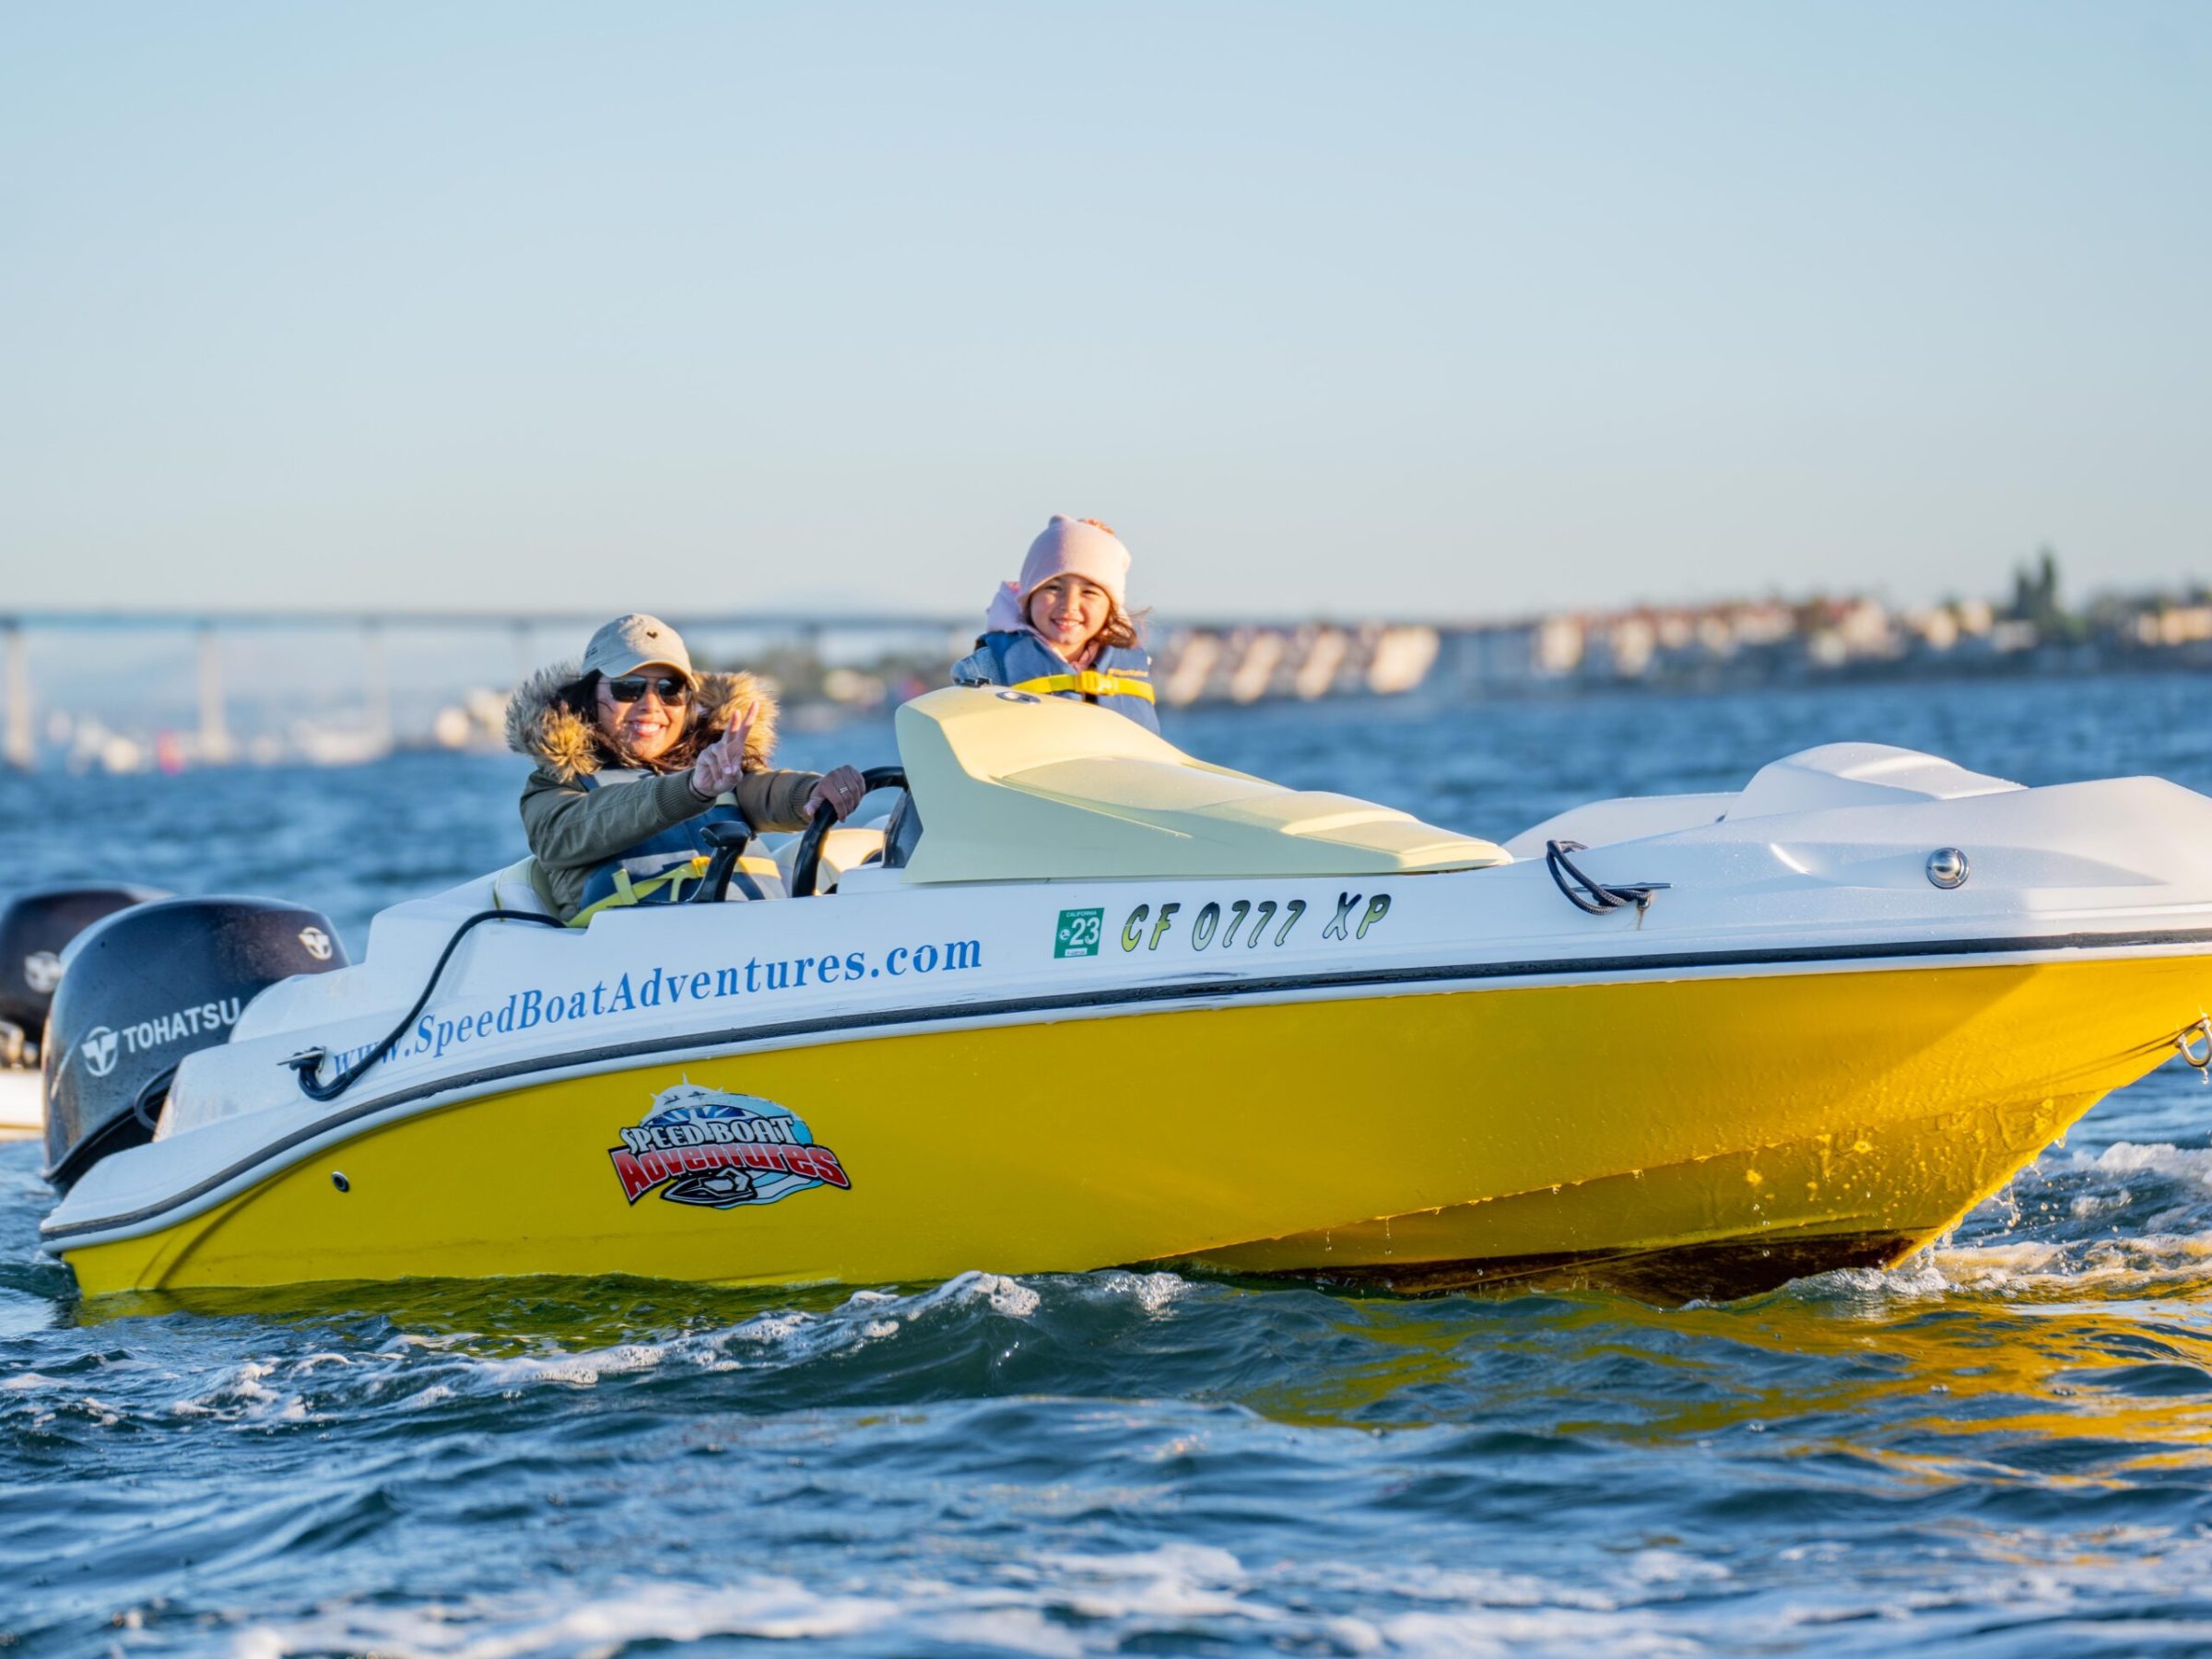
x=541, y=726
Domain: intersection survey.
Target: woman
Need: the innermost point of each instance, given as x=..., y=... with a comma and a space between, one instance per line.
x=1065, y=630
x=636, y=756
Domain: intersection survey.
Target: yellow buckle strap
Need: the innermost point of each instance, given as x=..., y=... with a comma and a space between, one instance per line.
x=627, y=892
x=1091, y=683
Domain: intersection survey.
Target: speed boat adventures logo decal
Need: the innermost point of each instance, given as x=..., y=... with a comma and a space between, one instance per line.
x=698, y=1146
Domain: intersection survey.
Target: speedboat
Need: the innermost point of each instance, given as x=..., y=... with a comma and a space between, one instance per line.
x=1087, y=1001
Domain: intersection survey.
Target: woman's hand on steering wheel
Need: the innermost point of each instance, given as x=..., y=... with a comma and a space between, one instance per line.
x=841, y=791
x=834, y=797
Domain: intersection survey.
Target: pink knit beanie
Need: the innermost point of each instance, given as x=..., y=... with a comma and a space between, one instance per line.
x=1069, y=548
x=1077, y=547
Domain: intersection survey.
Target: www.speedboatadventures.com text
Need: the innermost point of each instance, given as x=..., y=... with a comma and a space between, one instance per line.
x=434, y=1034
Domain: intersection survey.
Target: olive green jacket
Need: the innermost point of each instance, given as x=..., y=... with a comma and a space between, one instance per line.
x=573, y=828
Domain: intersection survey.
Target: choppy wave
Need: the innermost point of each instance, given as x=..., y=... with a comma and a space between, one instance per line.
x=1997, y=1447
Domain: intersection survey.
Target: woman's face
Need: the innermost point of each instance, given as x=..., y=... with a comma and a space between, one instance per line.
x=648, y=727
x=1068, y=611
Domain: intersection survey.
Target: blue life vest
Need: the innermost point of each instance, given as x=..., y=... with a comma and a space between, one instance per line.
x=659, y=869
x=1120, y=679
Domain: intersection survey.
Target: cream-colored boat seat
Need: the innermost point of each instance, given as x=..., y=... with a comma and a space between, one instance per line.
x=516, y=887
x=1013, y=787
x=520, y=888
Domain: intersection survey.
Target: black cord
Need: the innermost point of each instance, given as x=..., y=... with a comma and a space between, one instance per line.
x=142, y=1108
x=310, y=1061
x=1601, y=900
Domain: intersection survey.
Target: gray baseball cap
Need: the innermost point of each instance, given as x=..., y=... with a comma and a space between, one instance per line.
x=628, y=644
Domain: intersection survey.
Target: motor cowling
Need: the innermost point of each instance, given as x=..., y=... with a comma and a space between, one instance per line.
x=143, y=989
x=35, y=927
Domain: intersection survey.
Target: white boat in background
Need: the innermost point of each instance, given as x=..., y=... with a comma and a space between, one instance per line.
x=22, y=1104
x=36, y=930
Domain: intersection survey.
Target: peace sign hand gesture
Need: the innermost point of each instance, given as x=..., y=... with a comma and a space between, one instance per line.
x=723, y=761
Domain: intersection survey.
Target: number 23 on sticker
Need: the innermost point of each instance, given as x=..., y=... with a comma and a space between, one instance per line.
x=1079, y=933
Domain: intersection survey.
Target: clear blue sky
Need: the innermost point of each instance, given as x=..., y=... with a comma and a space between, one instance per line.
x=1455, y=310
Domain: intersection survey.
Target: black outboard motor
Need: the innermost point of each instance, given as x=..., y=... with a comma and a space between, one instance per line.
x=146, y=987
x=34, y=929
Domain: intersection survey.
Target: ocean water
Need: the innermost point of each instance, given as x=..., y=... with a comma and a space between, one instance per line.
x=2003, y=1447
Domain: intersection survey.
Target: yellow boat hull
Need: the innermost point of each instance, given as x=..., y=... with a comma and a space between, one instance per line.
x=1692, y=1137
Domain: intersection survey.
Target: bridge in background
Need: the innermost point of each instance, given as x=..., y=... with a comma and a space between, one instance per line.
x=1743, y=643
x=1197, y=658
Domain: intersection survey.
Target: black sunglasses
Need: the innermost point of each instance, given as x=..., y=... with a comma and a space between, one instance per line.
x=673, y=689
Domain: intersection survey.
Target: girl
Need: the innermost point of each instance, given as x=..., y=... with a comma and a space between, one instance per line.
x=1065, y=630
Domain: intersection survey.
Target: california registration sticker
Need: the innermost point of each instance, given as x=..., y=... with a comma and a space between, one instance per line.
x=1077, y=934
x=701, y=1147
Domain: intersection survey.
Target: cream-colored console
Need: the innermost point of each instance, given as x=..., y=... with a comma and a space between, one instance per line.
x=1013, y=787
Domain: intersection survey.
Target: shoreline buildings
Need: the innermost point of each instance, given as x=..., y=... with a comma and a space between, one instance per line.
x=824, y=680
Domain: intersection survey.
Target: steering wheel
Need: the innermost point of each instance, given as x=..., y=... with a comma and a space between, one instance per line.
x=807, y=864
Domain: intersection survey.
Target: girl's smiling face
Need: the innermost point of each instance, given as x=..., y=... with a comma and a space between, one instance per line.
x=1069, y=611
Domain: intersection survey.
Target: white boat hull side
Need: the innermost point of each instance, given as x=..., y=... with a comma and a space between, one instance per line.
x=22, y=1104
